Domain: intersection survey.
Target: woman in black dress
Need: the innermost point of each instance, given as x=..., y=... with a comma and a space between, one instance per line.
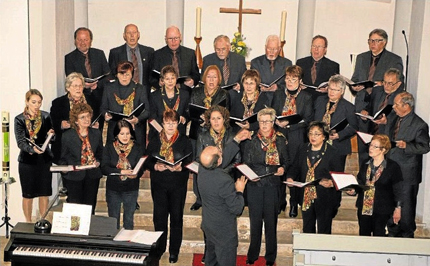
x=33, y=167
x=319, y=202
x=169, y=182
x=376, y=205
x=123, y=96
x=119, y=159
x=82, y=145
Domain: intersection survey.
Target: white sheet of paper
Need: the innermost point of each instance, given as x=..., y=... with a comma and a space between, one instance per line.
x=138, y=236
x=343, y=180
x=75, y=219
x=366, y=138
x=193, y=166
x=247, y=171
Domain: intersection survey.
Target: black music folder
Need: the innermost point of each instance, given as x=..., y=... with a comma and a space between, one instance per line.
x=136, y=112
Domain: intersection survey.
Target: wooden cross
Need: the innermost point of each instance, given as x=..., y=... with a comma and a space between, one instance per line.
x=240, y=11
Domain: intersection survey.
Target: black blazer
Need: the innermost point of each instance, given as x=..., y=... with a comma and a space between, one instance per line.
x=108, y=166
x=60, y=111
x=235, y=62
x=157, y=107
x=237, y=109
x=71, y=153
x=388, y=188
x=344, y=109
x=120, y=53
x=25, y=148
x=186, y=60
x=262, y=65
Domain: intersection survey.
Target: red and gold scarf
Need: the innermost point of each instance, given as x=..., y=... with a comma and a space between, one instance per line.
x=127, y=102
x=72, y=101
x=269, y=146
x=123, y=150
x=33, y=128
x=176, y=106
x=310, y=192
x=208, y=97
x=328, y=112
x=290, y=103
x=87, y=154
x=369, y=195
x=166, y=149
x=246, y=103
x=218, y=137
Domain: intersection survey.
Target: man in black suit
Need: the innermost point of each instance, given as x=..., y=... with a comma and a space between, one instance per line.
x=271, y=66
x=88, y=61
x=317, y=68
x=411, y=137
x=143, y=55
x=182, y=58
x=231, y=65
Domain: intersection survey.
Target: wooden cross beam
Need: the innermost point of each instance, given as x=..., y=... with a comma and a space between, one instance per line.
x=240, y=11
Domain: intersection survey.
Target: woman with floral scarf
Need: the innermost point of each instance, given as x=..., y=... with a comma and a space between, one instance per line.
x=34, y=125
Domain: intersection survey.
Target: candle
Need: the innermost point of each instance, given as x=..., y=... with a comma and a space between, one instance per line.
x=198, y=22
x=5, y=133
x=283, y=23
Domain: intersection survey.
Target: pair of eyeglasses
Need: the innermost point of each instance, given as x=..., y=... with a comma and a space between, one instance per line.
x=314, y=134
x=317, y=47
x=173, y=39
x=391, y=84
x=265, y=122
x=374, y=146
x=375, y=41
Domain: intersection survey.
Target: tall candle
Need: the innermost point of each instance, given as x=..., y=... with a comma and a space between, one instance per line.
x=283, y=23
x=5, y=133
x=198, y=22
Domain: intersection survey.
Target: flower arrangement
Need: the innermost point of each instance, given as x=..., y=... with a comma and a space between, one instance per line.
x=238, y=45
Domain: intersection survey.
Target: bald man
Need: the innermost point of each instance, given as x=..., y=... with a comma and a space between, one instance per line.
x=186, y=60
x=222, y=202
x=143, y=54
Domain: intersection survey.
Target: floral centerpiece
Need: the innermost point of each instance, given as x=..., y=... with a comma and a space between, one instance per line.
x=238, y=45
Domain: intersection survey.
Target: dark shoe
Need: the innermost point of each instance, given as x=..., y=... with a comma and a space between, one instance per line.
x=137, y=206
x=282, y=207
x=195, y=206
x=249, y=262
x=204, y=255
x=269, y=263
x=293, y=211
x=173, y=258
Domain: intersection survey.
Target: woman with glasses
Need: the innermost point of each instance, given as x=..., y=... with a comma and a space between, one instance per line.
x=169, y=182
x=334, y=109
x=122, y=96
x=266, y=153
x=61, y=106
x=247, y=101
x=82, y=145
x=34, y=175
x=319, y=201
x=381, y=199
x=170, y=97
x=289, y=101
x=122, y=187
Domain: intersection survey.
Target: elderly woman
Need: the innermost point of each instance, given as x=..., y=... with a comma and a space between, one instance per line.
x=169, y=182
x=382, y=199
x=248, y=101
x=119, y=159
x=314, y=162
x=265, y=153
x=123, y=96
x=292, y=100
x=61, y=106
x=33, y=167
x=170, y=97
x=82, y=145
x=332, y=109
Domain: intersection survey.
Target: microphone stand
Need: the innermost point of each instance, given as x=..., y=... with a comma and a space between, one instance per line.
x=407, y=59
x=43, y=226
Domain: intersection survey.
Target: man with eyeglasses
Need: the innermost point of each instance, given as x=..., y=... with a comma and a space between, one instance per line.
x=410, y=135
x=231, y=65
x=317, y=68
x=134, y=52
x=271, y=66
x=88, y=61
x=183, y=59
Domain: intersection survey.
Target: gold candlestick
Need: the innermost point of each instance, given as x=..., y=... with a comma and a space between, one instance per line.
x=198, y=52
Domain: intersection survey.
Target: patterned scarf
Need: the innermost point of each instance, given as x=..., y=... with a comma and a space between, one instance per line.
x=33, y=124
x=218, y=137
x=290, y=103
x=87, y=154
x=127, y=102
x=166, y=107
x=269, y=146
x=208, y=97
x=72, y=101
x=123, y=150
x=166, y=149
x=310, y=193
x=369, y=195
x=328, y=112
x=246, y=103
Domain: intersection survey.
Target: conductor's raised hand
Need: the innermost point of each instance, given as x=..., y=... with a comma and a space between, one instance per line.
x=240, y=184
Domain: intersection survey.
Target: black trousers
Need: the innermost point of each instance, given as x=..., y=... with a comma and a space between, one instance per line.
x=406, y=226
x=83, y=191
x=372, y=223
x=263, y=204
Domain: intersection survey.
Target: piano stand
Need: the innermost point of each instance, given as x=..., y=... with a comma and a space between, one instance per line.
x=6, y=217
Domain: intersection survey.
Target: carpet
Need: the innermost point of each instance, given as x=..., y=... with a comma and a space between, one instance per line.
x=241, y=260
